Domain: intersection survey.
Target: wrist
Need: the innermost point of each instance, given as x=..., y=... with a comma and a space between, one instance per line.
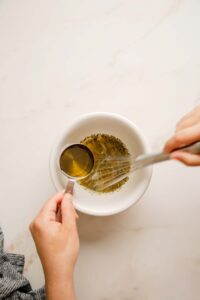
x=57, y=267
x=57, y=275
x=64, y=288
x=59, y=282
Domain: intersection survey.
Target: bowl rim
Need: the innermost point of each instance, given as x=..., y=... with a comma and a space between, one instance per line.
x=74, y=123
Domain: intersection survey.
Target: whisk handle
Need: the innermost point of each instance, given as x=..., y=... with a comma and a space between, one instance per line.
x=149, y=159
x=193, y=148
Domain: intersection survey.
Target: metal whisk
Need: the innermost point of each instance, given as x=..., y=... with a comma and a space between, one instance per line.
x=118, y=168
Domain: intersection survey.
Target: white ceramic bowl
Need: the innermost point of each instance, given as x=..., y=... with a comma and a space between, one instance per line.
x=109, y=203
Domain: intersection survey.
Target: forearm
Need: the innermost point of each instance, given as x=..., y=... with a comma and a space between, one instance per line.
x=60, y=290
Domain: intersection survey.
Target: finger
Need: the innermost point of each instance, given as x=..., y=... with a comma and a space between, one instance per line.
x=186, y=117
x=188, y=123
x=52, y=204
x=67, y=210
x=195, y=112
x=186, y=158
x=182, y=138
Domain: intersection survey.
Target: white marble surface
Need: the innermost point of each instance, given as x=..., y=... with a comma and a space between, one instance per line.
x=139, y=58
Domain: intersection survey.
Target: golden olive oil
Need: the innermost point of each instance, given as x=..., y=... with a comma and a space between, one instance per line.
x=76, y=161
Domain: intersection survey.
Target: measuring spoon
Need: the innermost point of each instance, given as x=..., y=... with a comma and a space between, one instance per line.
x=76, y=162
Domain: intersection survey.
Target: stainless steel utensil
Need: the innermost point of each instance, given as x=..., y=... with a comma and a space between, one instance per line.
x=145, y=160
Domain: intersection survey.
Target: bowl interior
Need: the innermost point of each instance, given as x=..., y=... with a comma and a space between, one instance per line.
x=108, y=203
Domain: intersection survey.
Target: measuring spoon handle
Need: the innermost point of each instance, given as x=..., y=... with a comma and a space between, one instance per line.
x=69, y=189
x=70, y=186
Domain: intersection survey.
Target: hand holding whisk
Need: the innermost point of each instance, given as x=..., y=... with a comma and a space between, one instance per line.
x=119, y=168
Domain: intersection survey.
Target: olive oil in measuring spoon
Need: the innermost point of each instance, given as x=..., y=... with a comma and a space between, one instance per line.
x=76, y=162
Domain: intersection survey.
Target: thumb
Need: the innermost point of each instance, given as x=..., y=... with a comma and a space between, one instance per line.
x=68, y=211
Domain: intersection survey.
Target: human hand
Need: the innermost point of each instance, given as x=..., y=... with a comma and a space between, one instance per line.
x=57, y=242
x=187, y=132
